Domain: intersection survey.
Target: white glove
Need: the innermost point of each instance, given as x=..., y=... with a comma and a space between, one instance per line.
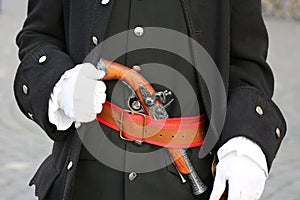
x=78, y=96
x=246, y=179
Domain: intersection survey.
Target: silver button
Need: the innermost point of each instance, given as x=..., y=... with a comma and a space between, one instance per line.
x=25, y=89
x=95, y=40
x=77, y=124
x=136, y=68
x=132, y=176
x=138, y=31
x=30, y=115
x=259, y=110
x=104, y=2
x=42, y=59
x=70, y=165
x=278, y=132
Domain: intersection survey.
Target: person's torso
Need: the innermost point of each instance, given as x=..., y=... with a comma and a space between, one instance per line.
x=163, y=69
x=162, y=183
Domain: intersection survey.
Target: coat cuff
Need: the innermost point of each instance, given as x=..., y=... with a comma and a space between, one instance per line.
x=35, y=78
x=255, y=116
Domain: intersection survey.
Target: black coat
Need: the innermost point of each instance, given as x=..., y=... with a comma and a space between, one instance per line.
x=232, y=32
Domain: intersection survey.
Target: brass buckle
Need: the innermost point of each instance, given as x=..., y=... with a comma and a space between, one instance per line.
x=140, y=142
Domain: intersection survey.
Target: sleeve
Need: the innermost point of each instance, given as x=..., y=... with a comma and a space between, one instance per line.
x=42, y=51
x=250, y=111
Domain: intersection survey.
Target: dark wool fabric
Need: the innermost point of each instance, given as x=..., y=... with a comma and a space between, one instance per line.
x=231, y=31
x=93, y=180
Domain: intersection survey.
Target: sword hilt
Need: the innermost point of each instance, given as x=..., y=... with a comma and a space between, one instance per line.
x=197, y=185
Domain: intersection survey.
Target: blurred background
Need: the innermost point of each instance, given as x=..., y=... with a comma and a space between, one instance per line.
x=23, y=145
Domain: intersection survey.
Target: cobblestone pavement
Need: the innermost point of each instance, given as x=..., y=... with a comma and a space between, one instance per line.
x=23, y=145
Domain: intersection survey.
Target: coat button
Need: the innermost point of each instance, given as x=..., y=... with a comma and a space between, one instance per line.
x=77, y=124
x=278, y=132
x=104, y=2
x=138, y=31
x=132, y=176
x=42, y=59
x=30, y=115
x=95, y=40
x=70, y=165
x=259, y=110
x=25, y=89
x=137, y=68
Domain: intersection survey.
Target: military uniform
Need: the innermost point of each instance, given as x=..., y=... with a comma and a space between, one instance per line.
x=58, y=35
x=93, y=179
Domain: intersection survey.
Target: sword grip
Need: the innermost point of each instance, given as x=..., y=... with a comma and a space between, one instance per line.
x=185, y=166
x=179, y=161
x=197, y=184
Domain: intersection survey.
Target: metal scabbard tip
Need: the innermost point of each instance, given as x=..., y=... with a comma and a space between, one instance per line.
x=200, y=190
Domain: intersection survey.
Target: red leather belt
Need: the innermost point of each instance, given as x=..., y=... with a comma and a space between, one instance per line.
x=185, y=132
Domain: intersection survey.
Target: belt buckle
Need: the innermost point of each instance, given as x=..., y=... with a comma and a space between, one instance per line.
x=139, y=142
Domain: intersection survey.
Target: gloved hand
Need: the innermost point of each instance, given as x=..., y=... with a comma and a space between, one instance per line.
x=246, y=179
x=83, y=93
